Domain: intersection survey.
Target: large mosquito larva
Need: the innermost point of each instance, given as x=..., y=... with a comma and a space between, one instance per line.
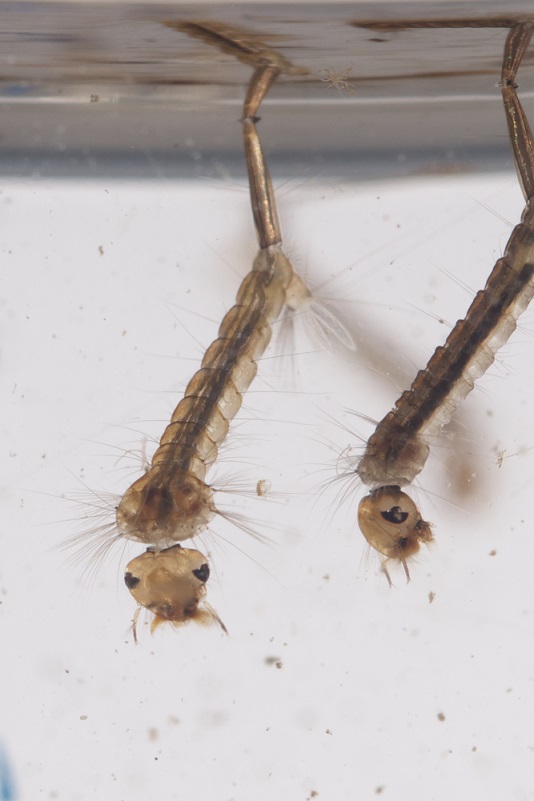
x=397, y=451
x=172, y=502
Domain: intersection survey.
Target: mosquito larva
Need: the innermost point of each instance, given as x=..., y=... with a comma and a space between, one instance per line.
x=172, y=502
x=397, y=450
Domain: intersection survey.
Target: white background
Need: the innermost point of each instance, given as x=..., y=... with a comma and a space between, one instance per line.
x=110, y=293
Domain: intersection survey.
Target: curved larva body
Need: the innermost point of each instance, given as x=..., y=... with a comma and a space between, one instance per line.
x=397, y=451
x=172, y=502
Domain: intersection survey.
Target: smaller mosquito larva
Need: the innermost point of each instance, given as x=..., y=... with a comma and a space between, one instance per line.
x=397, y=451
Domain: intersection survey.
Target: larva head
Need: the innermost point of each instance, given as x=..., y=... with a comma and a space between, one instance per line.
x=391, y=522
x=171, y=584
x=164, y=512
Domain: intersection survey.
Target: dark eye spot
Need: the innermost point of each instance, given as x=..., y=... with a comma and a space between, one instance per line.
x=202, y=573
x=402, y=543
x=395, y=515
x=131, y=581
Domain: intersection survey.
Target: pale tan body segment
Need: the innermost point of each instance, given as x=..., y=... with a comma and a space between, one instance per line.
x=172, y=502
x=399, y=447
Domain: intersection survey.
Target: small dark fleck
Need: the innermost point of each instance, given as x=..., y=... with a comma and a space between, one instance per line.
x=273, y=660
